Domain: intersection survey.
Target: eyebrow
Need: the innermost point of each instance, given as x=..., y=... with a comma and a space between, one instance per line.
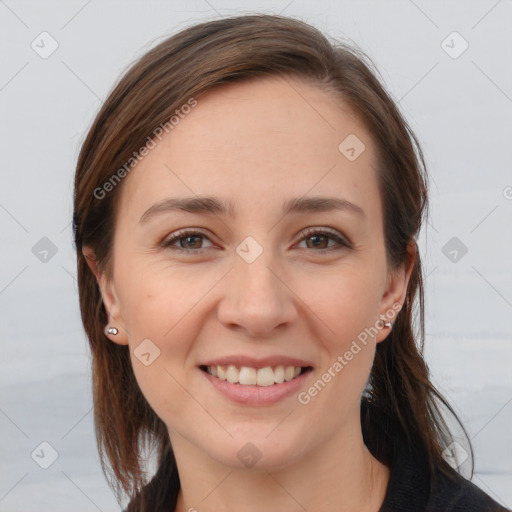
x=217, y=206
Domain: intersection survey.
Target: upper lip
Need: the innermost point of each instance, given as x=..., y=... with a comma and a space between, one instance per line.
x=253, y=362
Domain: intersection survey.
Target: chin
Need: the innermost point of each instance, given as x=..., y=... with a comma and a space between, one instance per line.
x=252, y=451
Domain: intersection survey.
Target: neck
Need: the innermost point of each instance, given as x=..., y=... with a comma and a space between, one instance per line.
x=339, y=475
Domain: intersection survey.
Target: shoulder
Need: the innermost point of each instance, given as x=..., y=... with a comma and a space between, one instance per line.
x=412, y=484
x=460, y=495
x=412, y=487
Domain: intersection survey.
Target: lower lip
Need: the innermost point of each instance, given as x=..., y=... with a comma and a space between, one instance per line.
x=257, y=395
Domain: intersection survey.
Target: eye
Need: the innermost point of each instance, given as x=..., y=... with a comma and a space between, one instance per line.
x=320, y=239
x=193, y=240
x=188, y=241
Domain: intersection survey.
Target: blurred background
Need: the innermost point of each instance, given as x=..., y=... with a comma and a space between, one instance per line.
x=447, y=64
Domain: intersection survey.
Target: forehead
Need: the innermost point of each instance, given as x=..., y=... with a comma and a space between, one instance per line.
x=272, y=137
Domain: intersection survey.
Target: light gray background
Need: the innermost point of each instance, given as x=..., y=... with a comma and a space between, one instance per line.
x=461, y=109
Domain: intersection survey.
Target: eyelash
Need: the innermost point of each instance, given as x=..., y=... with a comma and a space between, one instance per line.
x=308, y=233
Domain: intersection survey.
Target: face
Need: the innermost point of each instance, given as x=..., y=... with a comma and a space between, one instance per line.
x=270, y=280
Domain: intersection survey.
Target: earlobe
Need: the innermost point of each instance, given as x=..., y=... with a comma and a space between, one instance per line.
x=117, y=335
x=114, y=330
x=114, y=334
x=396, y=291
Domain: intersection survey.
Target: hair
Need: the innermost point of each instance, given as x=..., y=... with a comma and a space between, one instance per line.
x=184, y=66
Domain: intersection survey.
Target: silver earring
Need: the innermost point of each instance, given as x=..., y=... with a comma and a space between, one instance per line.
x=111, y=330
x=387, y=324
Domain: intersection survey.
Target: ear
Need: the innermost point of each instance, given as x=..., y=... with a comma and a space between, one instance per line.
x=396, y=291
x=110, y=299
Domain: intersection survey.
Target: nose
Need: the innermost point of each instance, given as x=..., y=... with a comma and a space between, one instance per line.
x=257, y=298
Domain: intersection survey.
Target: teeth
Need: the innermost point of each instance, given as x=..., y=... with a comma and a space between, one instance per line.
x=247, y=376
x=288, y=373
x=232, y=374
x=279, y=374
x=265, y=376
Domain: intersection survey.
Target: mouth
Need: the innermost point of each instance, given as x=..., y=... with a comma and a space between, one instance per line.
x=256, y=377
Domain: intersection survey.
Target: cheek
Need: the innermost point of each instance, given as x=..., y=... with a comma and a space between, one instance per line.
x=348, y=307
x=347, y=301
x=155, y=311
x=350, y=312
x=156, y=297
x=160, y=341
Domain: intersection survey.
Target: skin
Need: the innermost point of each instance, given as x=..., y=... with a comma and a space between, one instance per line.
x=258, y=144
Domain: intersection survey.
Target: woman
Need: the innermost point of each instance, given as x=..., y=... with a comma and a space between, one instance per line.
x=247, y=204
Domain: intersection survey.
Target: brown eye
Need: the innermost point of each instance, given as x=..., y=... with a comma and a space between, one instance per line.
x=188, y=241
x=192, y=242
x=319, y=239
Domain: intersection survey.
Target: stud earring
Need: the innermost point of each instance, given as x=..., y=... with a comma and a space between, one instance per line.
x=111, y=330
x=387, y=324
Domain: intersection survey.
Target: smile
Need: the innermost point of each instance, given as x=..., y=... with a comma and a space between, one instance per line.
x=249, y=376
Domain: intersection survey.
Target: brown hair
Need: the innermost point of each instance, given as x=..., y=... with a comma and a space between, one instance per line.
x=186, y=65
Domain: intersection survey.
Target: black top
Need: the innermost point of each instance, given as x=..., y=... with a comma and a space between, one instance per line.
x=409, y=490
x=411, y=487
